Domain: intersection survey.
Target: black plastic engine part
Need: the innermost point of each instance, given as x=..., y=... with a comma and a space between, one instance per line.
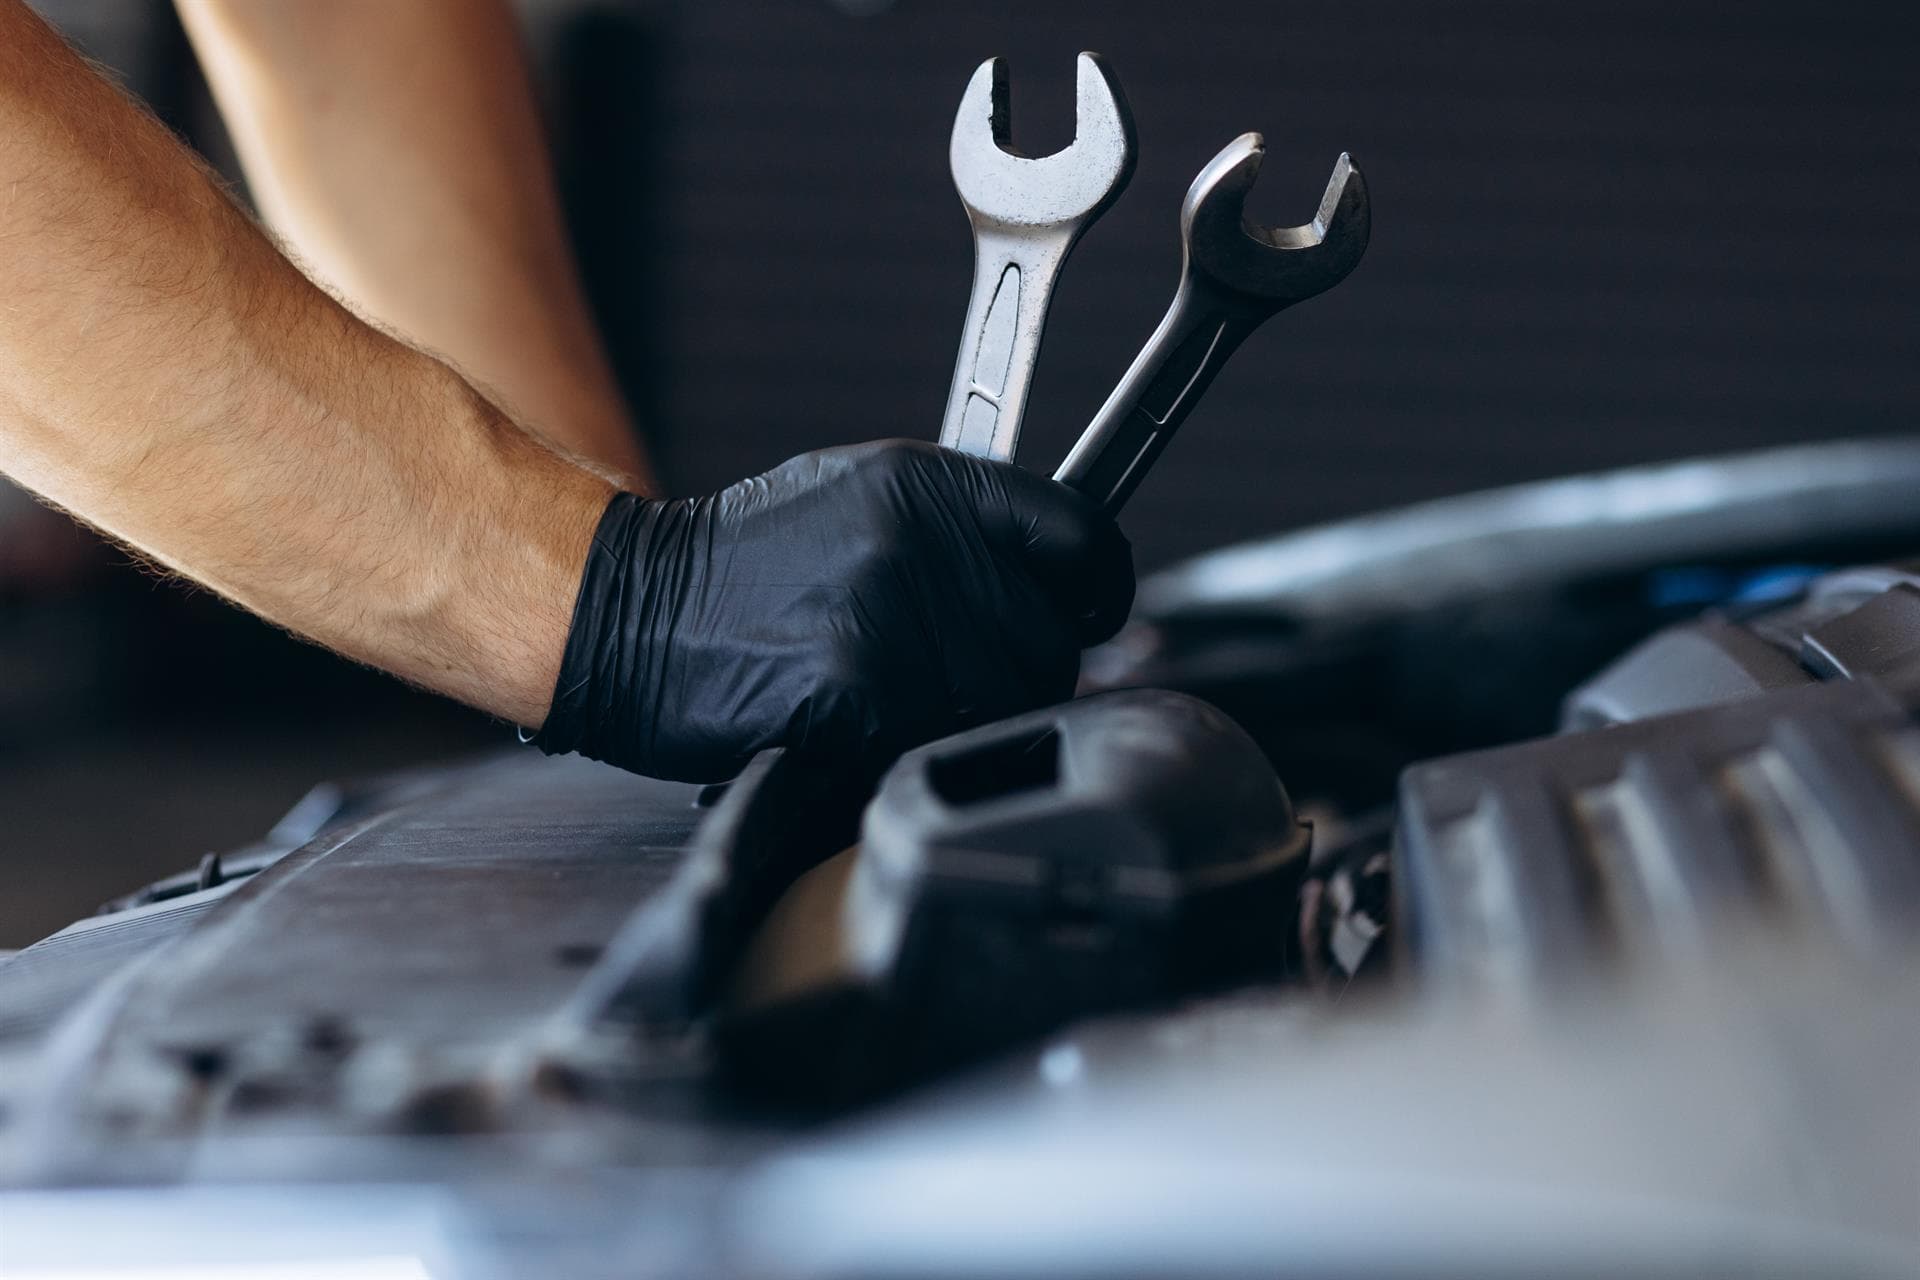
x=668, y=966
x=1117, y=851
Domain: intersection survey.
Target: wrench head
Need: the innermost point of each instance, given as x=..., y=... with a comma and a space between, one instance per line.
x=1002, y=187
x=1278, y=266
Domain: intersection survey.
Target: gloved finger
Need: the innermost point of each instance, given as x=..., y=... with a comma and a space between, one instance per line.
x=1071, y=547
x=1026, y=656
x=1046, y=643
x=860, y=706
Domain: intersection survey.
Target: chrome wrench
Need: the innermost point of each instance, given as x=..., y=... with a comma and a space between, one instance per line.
x=1026, y=215
x=1235, y=276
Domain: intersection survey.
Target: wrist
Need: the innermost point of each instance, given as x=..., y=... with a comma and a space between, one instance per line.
x=520, y=537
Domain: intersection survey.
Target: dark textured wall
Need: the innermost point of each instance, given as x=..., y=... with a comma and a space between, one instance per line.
x=1603, y=232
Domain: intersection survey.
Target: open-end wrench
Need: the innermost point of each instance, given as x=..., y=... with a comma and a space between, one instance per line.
x=1235, y=276
x=1026, y=214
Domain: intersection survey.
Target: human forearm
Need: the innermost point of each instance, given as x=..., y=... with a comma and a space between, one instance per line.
x=397, y=148
x=167, y=375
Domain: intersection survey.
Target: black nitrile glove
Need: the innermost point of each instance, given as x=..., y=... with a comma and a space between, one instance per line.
x=849, y=604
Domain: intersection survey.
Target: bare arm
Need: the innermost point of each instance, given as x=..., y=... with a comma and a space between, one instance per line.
x=397, y=148
x=166, y=374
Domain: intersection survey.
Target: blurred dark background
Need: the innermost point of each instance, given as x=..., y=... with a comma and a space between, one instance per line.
x=1604, y=233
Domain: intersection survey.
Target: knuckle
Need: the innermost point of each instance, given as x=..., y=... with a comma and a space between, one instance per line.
x=837, y=667
x=899, y=457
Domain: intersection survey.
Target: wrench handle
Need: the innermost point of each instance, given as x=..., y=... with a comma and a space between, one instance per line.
x=1013, y=278
x=1200, y=331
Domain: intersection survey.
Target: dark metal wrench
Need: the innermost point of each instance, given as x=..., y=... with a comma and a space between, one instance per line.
x=1235, y=276
x=1026, y=214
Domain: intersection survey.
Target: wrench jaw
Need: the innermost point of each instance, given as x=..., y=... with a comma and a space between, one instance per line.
x=1215, y=206
x=1343, y=223
x=1001, y=186
x=988, y=101
x=1273, y=267
x=1103, y=124
x=1344, y=216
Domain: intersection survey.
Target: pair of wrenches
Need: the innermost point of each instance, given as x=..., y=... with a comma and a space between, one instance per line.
x=1027, y=215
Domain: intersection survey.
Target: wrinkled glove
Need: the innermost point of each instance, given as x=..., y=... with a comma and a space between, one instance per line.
x=849, y=604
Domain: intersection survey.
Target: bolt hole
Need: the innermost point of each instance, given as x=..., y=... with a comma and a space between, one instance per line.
x=447, y=1110
x=327, y=1034
x=259, y=1095
x=204, y=1062
x=560, y=1081
x=577, y=955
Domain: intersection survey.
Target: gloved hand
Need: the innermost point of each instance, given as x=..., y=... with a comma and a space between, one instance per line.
x=850, y=604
